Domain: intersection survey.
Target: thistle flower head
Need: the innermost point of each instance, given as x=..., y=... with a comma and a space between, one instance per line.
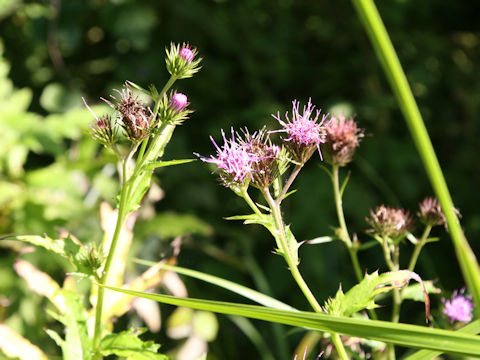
x=459, y=307
x=266, y=167
x=389, y=222
x=304, y=132
x=103, y=129
x=431, y=212
x=134, y=117
x=235, y=163
x=181, y=60
x=342, y=138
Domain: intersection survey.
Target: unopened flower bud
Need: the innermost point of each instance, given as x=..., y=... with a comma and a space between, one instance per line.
x=342, y=138
x=178, y=102
x=181, y=61
x=431, y=213
x=103, y=129
x=187, y=53
x=389, y=222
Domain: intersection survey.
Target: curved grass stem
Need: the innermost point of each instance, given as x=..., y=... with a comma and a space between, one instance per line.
x=375, y=28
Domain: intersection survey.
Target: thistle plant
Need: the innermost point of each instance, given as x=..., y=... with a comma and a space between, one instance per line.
x=251, y=162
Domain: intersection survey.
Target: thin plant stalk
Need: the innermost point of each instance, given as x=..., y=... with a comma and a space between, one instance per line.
x=418, y=247
x=151, y=152
x=292, y=266
x=120, y=220
x=375, y=28
x=344, y=234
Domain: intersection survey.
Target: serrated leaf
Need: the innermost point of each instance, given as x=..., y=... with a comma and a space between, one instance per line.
x=128, y=344
x=396, y=333
x=55, y=246
x=362, y=296
x=159, y=164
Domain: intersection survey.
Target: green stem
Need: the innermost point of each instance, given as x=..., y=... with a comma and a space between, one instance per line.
x=372, y=22
x=289, y=183
x=418, y=247
x=292, y=266
x=339, y=346
x=344, y=234
x=118, y=227
x=244, y=194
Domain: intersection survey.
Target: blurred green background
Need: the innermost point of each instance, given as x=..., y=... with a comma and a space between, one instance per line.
x=258, y=57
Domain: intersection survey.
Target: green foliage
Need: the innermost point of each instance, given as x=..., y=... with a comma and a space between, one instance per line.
x=362, y=296
x=401, y=334
x=77, y=344
x=128, y=344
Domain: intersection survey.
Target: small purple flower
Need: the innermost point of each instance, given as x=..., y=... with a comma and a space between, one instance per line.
x=459, y=307
x=303, y=130
x=235, y=162
x=178, y=102
x=186, y=53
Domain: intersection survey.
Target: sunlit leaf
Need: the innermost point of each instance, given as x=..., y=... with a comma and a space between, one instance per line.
x=14, y=345
x=128, y=344
x=362, y=296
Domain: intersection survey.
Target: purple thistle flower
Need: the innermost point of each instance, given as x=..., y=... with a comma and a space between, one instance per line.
x=235, y=162
x=303, y=130
x=186, y=53
x=459, y=307
x=178, y=102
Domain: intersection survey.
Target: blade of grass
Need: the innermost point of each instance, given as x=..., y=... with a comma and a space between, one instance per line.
x=253, y=295
x=472, y=328
x=400, y=334
x=375, y=28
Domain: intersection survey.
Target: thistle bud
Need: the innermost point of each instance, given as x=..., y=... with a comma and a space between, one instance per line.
x=173, y=109
x=431, y=213
x=181, y=62
x=342, y=138
x=103, y=129
x=187, y=53
x=389, y=222
x=178, y=102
